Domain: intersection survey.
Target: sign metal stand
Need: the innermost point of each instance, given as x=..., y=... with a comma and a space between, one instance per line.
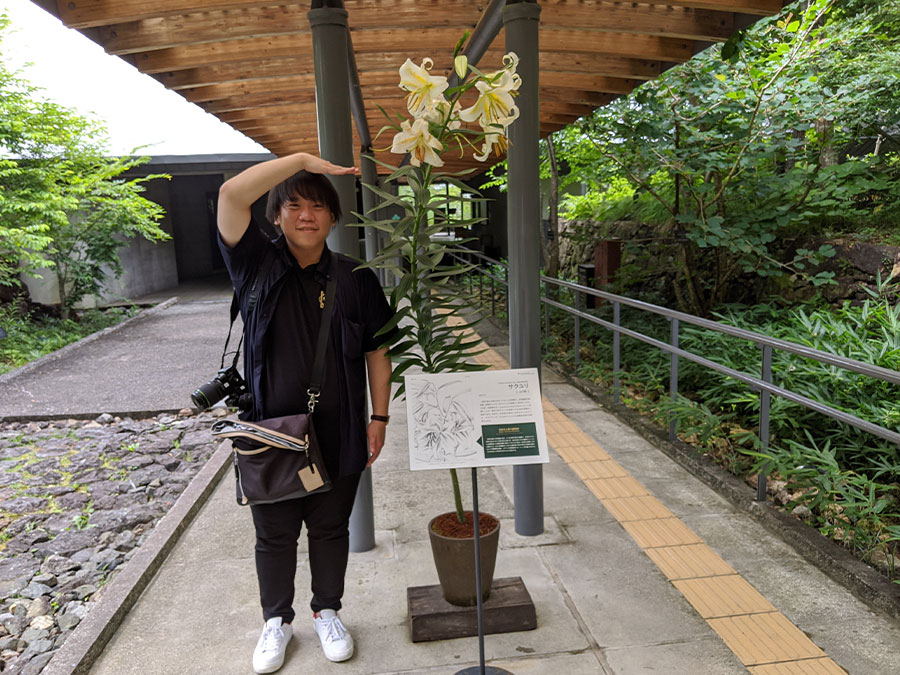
x=480, y=669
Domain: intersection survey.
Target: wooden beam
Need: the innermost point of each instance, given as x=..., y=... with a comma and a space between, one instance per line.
x=629, y=17
x=87, y=13
x=595, y=99
x=293, y=44
x=601, y=65
x=258, y=101
x=214, y=26
x=616, y=44
x=565, y=108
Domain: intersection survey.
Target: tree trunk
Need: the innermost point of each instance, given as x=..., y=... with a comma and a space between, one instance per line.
x=825, y=134
x=63, y=296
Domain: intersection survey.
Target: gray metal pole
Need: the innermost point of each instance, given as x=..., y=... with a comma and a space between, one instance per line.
x=369, y=175
x=362, y=518
x=329, y=37
x=520, y=22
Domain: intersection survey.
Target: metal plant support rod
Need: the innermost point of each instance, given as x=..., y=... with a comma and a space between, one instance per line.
x=617, y=353
x=673, y=377
x=764, y=408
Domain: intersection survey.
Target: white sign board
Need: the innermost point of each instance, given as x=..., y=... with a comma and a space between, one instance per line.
x=486, y=418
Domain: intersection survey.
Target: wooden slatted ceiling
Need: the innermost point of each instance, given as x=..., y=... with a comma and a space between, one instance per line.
x=250, y=62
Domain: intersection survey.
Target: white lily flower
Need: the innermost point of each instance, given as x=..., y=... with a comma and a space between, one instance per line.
x=490, y=140
x=418, y=141
x=440, y=112
x=424, y=89
x=494, y=107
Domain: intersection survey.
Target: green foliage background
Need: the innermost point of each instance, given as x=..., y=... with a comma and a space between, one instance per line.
x=750, y=148
x=63, y=202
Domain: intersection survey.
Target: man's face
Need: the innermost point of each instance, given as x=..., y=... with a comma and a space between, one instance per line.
x=305, y=222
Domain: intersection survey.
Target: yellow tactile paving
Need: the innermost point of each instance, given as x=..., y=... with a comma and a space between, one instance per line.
x=824, y=666
x=663, y=532
x=645, y=507
x=603, y=469
x=757, y=639
x=614, y=488
x=686, y=562
x=572, y=450
x=762, y=638
x=715, y=597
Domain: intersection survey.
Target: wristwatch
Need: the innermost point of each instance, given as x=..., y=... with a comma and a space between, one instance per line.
x=381, y=418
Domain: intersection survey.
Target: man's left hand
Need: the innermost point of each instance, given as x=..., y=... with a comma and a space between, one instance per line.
x=375, y=433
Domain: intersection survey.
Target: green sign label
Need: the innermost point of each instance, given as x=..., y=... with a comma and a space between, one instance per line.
x=509, y=440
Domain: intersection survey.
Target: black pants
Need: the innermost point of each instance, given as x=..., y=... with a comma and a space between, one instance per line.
x=327, y=516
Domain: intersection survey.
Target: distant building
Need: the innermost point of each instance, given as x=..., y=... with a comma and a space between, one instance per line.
x=189, y=199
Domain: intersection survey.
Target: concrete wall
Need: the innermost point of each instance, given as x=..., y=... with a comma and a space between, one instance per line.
x=149, y=266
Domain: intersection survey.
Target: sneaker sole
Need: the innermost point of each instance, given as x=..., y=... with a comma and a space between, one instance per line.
x=340, y=658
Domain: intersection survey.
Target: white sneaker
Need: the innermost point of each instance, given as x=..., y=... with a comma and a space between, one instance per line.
x=269, y=653
x=336, y=641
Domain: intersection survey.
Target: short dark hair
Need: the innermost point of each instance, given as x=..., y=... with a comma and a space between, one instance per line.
x=304, y=184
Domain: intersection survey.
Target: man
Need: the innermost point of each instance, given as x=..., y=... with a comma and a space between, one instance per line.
x=280, y=338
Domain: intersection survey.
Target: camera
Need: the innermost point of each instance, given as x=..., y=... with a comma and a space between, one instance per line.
x=227, y=384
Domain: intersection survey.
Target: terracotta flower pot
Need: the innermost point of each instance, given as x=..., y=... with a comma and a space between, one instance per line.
x=454, y=558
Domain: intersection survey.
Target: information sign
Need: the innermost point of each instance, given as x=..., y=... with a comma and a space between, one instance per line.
x=472, y=419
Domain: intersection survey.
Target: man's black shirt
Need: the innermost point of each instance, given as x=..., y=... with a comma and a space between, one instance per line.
x=281, y=335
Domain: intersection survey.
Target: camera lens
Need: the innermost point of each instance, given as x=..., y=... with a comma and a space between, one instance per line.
x=208, y=394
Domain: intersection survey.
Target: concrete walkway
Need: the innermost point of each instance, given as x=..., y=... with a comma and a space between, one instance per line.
x=642, y=567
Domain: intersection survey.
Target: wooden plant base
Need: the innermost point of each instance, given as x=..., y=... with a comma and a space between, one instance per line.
x=508, y=610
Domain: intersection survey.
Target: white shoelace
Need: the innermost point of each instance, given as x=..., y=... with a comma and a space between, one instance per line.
x=272, y=639
x=335, y=630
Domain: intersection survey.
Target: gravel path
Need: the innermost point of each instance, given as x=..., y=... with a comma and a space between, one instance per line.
x=77, y=498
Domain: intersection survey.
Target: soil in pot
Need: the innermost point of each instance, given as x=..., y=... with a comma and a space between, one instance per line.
x=454, y=555
x=448, y=525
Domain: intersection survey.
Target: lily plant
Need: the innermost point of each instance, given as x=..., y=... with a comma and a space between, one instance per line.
x=424, y=266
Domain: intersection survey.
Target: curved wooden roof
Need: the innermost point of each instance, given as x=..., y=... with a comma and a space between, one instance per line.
x=250, y=63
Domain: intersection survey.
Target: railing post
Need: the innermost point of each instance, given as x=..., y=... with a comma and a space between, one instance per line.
x=493, y=297
x=546, y=312
x=480, y=286
x=617, y=351
x=673, y=377
x=764, y=407
x=579, y=297
x=506, y=285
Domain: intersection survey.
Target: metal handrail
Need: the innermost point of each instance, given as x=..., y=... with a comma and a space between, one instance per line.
x=782, y=345
x=762, y=384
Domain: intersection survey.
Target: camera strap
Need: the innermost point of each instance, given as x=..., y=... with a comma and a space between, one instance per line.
x=255, y=287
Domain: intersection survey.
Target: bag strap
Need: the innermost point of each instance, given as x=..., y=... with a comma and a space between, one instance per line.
x=255, y=287
x=318, y=369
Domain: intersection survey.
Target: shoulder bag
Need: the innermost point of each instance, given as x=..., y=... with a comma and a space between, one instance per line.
x=279, y=458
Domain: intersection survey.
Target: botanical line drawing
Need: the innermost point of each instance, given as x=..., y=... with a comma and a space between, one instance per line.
x=444, y=426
